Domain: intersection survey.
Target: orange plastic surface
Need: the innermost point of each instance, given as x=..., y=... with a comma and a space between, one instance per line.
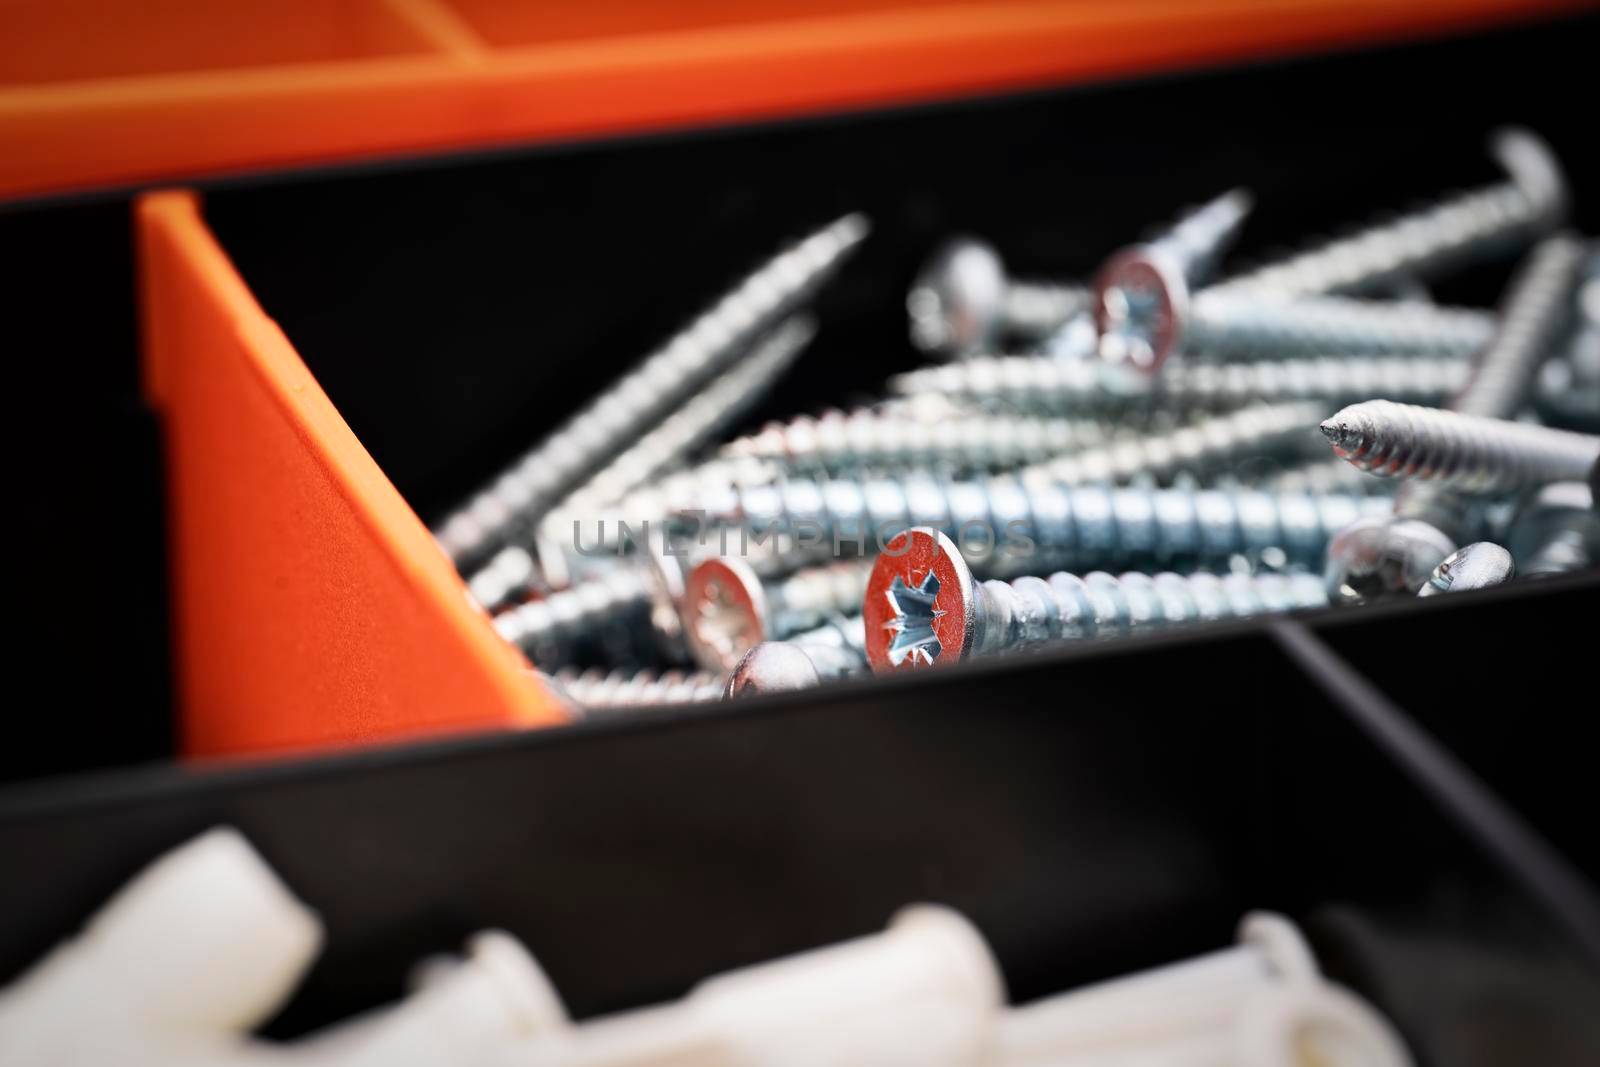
x=310, y=604
x=106, y=92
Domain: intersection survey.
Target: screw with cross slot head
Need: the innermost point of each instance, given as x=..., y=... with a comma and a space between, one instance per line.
x=728, y=608
x=1237, y=314
x=1142, y=292
x=1388, y=557
x=923, y=607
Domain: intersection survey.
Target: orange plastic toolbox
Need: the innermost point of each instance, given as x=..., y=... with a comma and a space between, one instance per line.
x=455, y=311
x=97, y=93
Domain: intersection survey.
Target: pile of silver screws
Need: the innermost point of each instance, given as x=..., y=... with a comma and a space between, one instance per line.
x=1162, y=443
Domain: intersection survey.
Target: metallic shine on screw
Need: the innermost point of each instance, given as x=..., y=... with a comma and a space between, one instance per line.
x=1142, y=293
x=1462, y=452
x=923, y=607
x=963, y=303
x=604, y=427
x=1424, y=243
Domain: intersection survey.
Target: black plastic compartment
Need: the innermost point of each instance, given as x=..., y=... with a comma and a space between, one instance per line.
x=1094, y=811
x=455, y=311
x=1087, y=819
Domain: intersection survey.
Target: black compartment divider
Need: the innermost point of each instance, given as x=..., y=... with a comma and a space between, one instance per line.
x=86, y=484
x=1094, y=811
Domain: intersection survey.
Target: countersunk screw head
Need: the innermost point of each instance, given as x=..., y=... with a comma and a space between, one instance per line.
x=772, y=667
x=1533, y=168
x=1141, y=305
x=1375, y=557
x=1478, y=566
x=724, y=611
x=957, y=303
x=921, y=605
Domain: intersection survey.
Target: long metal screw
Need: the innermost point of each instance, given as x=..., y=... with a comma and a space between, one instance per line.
x=1244, y=326
x=1557, y=530
x=839, y=442
x=837, y=649
x=1466, y=453
x=514, y=503
x=1204, y=446
x=584, y=545
x=720, y=404
x=640, y=597
x=1389, y=557
x=923, y=607
x=1142, y=292
x=1477, y=566
x=1029, y=383
x=962, y=302
x=1425, y=243
x=597, y=690
x=727, y=608
x=1007, y=523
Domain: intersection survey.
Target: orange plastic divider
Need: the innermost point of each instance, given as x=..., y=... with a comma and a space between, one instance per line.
x=99, y=92
x=310, y=604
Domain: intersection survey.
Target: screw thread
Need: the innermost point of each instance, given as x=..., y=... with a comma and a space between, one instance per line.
x=1533, y=315
x=1197, y=241
x=1032, y=610
x=546, y=629
x=1243, y=326
x=812, y=595
x=841, y=442
x=1022, y=522
x=1326, y=475
x=599, y=690
x=1425, y=242
x=720, y=404
x=1043, y=385
x=1204, y=446
x=1465, y=453
x=520, y=496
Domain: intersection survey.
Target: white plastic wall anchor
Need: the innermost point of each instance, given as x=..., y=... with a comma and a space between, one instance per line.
x=200, y=947
x=1259, y=1004
x=924, y=993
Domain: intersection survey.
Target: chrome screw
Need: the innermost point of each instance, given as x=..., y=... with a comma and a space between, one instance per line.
x=1557, y=530
x=1244, y=326
x=923, y=607
x=572, y=546
x=598, y=690
x=840, y=442
x=720, y=404
x=1477, y=566
x=962, y=302
x=727, y=608
x=1204, y=446
x=1466, y=453
x=514, y=503
x=834, y=650
x=1327, y=475
x=1008, y=522
x=1429, y=522
x=1142, y=292
x=1424, y=243
x=636, y=598
x=1029, y=383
